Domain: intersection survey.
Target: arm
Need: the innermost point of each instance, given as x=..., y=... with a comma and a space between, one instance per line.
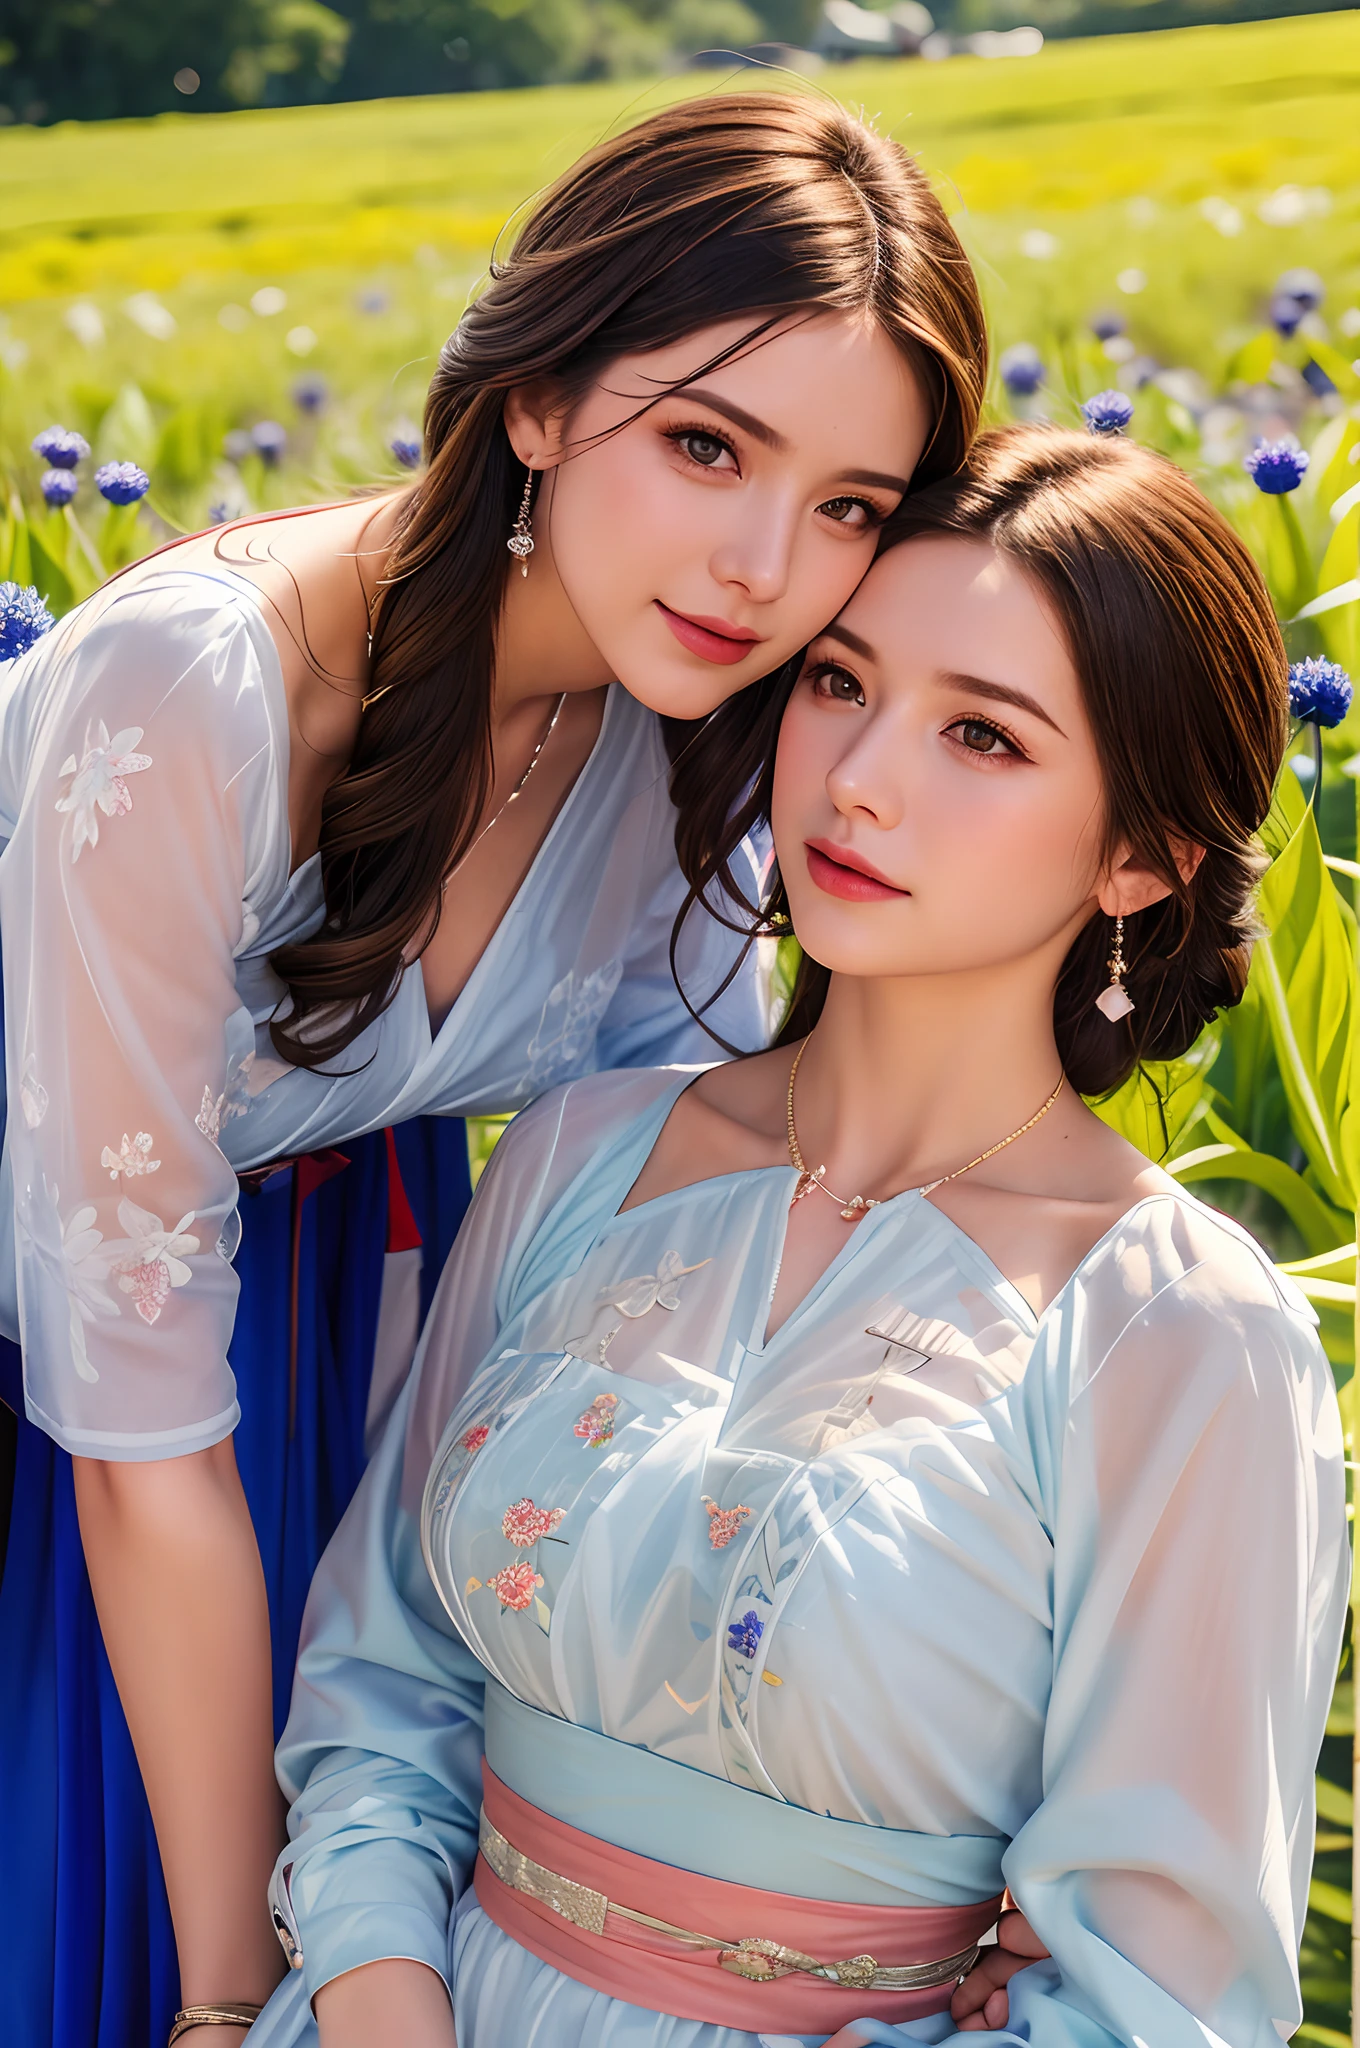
x=121, y=901
x=1188, y=1455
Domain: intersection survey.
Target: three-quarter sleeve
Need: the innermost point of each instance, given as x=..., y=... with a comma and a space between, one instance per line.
x=1186, y=1459
x=148, y=782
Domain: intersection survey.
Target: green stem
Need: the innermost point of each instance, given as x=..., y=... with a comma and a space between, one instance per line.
x=84, y=543
x=1301, y=560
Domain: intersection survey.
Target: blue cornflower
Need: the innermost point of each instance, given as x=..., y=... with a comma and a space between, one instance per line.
x=58, y=486
x=1105, y=326
x=406, y=452
x=60, y=447
x=1109, y=412
x=218, y=514
x=1304, y=287
x=1317, y=380
x=269, y=440
x=24, y=618
x=1022, y=369
x=122, y=483
x=310, y=393
x=1319, y=690
x=1285, y=314
x=744, y=1636
x=1276, y=467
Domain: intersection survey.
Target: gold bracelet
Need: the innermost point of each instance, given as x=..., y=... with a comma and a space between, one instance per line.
x=212, y=2016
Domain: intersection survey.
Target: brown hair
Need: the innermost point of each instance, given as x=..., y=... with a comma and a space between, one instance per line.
x=744, y=203
x=1186, y=684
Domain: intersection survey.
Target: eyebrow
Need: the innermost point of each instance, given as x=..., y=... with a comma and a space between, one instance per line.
x=997, y=693
x=836, y=631
x=747, y=421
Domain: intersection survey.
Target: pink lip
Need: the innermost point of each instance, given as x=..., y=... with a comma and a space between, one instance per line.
x=840, y=872
x=712, y=639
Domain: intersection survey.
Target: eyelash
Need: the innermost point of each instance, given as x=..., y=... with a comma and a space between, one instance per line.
x=820, y=671
x=1012, y=745
x=874, y=515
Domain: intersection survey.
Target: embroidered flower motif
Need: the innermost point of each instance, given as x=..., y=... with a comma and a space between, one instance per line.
x=475, y=1437
x=216, y=1110
x=592, y=1350
x=73, y=1257
x=100, y=781
x=523, y=1523
x=744, y=1636
x=723, y=1523
x=515, y=1585
x=131, y=1158
x=596, y=1426
x=646, y=1291
x=568, y=1023
x=445, y=1488
x=153, y=1260
x=32, y=1095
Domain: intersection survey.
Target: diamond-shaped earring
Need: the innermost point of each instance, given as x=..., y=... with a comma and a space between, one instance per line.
x=1115, y=1001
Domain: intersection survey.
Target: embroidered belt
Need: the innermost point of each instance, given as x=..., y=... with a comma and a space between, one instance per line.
x=749, y=1955
x=561, y=1893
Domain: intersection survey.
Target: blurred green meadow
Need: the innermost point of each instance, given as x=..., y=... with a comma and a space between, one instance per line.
x=250, y=305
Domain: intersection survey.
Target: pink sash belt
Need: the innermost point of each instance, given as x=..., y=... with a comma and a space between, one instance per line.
x=564, y=1895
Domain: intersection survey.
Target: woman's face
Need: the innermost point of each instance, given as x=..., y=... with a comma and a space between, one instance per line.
x=704, y=542
x=938, y=804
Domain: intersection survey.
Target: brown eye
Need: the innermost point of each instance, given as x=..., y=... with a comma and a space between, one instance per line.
x=704, y=448
x=838, y=683
x=979, y=737
x=847, y=511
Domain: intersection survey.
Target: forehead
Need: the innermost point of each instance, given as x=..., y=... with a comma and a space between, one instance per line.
x=813, y=371
x=943, y=603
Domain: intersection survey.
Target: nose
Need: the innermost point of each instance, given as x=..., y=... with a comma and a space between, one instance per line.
x=756, y=554
x=866, y=779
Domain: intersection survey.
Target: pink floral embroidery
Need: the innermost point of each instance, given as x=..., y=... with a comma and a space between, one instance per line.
x=523, y=1523
x=515, y=1585
x=596, y=1426
x=723, y=1523
x=154, y=1258
x=131, y=1158
x=100, y=781
x=216, y=1110
x=475, y=1437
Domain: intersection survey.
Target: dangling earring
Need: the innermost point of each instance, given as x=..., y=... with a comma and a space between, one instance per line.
x=1115, y=1001
x=521, y=541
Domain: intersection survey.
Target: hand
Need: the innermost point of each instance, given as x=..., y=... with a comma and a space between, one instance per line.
x=396, y=2004
x=980, y=2001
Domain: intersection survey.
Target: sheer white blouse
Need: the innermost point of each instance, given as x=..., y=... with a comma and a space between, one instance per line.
x=144, y=881
x=1056, y=1599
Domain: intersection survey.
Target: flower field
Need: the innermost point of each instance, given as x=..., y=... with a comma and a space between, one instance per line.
x=246, y=309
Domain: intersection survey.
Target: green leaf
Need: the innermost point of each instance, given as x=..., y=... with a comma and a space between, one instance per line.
x=1161, y=1098
x=1253, y=362
x=1341, y=1719
x=1335, y=1803
x=1317, y=1224
x=1304, y=972
x=1331, y=1902
x=1328, y=2037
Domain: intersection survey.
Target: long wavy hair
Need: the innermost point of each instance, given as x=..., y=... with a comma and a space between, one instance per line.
x=1185, y=681
x=743, y=204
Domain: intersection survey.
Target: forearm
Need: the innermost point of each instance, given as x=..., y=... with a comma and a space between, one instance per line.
x=178, y=1585
x=385, y=2005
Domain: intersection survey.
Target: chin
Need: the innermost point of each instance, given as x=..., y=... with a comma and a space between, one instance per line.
x=684, y=696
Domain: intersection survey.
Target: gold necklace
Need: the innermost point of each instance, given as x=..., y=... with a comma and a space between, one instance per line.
x=857, y=1204
x=516, y=791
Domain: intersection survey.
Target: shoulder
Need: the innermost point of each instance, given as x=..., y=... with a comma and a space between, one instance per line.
x=580, y=1119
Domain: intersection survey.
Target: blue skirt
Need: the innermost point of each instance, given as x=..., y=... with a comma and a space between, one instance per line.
x=87, y=1953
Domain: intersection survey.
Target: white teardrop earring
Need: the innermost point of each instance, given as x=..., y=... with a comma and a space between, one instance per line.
x=521, y=541
x=1115, y=1001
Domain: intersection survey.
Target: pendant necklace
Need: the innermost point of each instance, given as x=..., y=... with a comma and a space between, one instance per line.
x=516, y=791
x=856, y=1206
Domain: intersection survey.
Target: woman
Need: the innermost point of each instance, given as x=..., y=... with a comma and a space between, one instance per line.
x=251, y=786
x=854, y=1481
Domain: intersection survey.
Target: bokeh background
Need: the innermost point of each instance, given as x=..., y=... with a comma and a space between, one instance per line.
x=248, y=304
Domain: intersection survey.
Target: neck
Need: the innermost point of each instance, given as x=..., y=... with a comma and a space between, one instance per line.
x=905, y=1080
x=542, y=649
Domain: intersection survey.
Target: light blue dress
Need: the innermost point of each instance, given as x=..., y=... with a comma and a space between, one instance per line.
x=145, y=880
x=1054, y=1601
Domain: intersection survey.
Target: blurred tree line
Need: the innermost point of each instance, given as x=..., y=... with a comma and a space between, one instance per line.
x=96, y=59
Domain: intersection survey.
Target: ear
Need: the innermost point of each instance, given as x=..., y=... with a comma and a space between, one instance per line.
x=1129, y=885
x=535, y=419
